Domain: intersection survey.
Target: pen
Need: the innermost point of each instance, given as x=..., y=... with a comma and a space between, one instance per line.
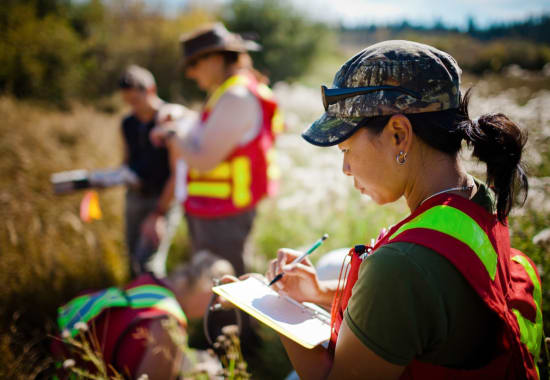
x=300, y=258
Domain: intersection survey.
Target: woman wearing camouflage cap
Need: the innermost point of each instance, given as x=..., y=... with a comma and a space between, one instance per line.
x=440, y=294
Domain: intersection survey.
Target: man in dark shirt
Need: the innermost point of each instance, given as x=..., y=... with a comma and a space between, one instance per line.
x=147, y=205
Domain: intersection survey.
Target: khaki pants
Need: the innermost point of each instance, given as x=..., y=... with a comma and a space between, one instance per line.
x=224, y=237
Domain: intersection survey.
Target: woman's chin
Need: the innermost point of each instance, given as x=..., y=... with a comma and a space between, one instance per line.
x=376, y=198
x=373, y=196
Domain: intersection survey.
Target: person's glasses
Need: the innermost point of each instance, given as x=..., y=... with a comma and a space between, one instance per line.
x=333, y=95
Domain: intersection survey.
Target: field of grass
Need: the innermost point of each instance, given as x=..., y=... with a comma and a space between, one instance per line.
x=48, y=255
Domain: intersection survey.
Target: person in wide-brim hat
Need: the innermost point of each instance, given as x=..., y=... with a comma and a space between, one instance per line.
x=235, y=114
x=211, y=39
x=227, y=152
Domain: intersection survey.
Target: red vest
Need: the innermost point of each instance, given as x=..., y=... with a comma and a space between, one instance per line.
x=506, y=280
x=247, y=174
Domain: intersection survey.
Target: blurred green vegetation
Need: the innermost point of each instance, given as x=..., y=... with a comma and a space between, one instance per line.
x=481, y=57
x=289, y=40
x=523, y=43
x=59, y=50
x=77, y=50
x=56, y=50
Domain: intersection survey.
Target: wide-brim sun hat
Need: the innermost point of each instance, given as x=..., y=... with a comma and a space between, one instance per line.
x=213, y=38
x=388, y=78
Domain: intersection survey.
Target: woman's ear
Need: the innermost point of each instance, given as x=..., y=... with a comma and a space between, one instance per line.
x=400, y=130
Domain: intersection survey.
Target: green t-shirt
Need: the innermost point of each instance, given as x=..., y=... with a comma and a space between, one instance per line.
x=409, y=303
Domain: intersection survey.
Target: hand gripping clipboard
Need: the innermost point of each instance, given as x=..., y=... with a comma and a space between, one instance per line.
x=304, y=323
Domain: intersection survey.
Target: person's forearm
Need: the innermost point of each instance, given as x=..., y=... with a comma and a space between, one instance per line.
x=309, y=363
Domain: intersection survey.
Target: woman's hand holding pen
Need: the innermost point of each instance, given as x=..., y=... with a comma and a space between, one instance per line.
x=300, y=281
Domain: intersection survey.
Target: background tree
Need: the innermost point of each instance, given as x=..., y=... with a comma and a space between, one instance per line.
x=290, y=40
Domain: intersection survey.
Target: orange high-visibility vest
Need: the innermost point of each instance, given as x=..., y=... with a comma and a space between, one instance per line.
x=478, y=245
x=247, y=175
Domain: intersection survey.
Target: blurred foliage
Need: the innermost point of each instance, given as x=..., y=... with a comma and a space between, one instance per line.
x=37, y=53
x=290, y=41
x=480, y=57
x=54, y=50
x=535, y=29
x=132, y=33
x=526, y=43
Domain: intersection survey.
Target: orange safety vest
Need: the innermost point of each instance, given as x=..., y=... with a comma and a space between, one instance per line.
x=248, y=173
x=478, y=245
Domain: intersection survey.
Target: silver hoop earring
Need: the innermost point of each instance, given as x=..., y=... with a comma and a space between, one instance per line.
x=401, y=158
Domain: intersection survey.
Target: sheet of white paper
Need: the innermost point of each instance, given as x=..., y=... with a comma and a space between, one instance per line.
x=281, y=313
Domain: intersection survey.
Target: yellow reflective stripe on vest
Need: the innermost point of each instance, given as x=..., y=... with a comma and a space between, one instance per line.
x=240, y=169
x=531, y=333
x=242, y=179
x=264, y=91
x=220, y=172
x=277, y=122
x=455, y=223
x=221, y=190
x=235, y=80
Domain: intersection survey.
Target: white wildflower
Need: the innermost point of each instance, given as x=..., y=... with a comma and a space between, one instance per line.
x=81, y=326
x=65, y=334
x=68, y=363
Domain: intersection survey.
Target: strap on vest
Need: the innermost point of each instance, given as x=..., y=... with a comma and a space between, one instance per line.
x=235, y=80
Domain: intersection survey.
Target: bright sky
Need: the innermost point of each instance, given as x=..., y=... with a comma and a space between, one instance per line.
x=454, y=13
x=426, y=12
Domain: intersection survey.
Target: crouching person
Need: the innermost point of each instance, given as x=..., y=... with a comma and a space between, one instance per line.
x=134, y=330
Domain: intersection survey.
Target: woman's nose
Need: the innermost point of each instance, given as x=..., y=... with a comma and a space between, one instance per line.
x=346, y=168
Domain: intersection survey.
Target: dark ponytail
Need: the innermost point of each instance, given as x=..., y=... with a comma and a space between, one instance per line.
x=498, y=142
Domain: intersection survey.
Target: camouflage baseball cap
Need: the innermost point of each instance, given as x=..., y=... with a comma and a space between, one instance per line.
x=387, y=78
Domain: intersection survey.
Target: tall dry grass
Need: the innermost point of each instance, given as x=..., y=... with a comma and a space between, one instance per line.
x=47, y=254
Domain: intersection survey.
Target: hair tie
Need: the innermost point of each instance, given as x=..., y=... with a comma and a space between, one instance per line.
x=474, y=123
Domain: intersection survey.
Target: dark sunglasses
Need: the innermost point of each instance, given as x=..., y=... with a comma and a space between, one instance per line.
x=333, y=95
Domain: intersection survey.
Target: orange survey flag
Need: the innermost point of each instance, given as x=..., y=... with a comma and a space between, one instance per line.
x=89, y=207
